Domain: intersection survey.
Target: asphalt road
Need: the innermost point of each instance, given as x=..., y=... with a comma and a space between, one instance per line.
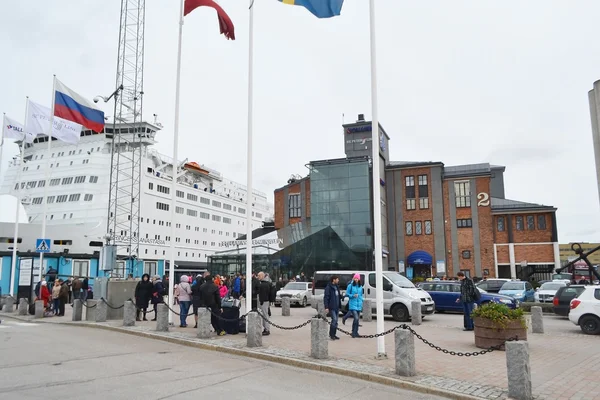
x=60, y=362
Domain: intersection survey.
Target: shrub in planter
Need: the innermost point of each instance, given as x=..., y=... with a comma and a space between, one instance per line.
x=495, y=323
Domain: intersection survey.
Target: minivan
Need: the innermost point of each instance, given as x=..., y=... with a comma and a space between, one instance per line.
x=398, y=292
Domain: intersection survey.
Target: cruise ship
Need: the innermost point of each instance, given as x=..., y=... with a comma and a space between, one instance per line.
x=210, y=209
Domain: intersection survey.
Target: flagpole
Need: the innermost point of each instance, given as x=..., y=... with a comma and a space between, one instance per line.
x=175, y=164
x=249, y=194
x=13, y=266
x=47, y=174
x=376, y=187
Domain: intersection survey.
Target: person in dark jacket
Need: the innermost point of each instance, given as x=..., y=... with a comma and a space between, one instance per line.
x=159, y=290
x=210, y=298
x=196, y=296
x=85, y=288
x=264, y=297
x=143, y=293
x=237, y=286
x=468, y=297
x=332, y=301
x=63, y=297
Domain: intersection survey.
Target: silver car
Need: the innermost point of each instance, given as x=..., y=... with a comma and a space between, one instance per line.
x=298, y=292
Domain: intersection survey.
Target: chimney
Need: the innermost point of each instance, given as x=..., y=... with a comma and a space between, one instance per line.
x=361, y=118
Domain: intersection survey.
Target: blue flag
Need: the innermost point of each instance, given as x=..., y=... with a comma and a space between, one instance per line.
x=319, y=8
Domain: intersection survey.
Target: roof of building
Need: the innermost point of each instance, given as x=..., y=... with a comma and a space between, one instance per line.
x=514, y=205
x=468, y=170
x=292, y=182
x=408, y=164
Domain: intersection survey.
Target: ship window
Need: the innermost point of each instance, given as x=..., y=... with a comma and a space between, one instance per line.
x=162, y=189
x=204, y=215
x=74, y=197
x=192, y=197
x=179, y=210
x=226, y=220
x=162, y=206
x=62, y=198
x=80, y=179
x=180, y=194
x=241, y=210
x=216, y=218
x=216, y=203
x=38, y=200
x=50, y=199
x=226, y=206
x=55, y=182
x=258, y=215
x=93, y=179
x=150, y=185
x=204, y=200
x=192, y=213
x=88, y=197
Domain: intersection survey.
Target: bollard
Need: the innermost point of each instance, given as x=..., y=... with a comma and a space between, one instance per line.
x=90, y=312
x=285, y=306
x=9, y=305
x=405, y=353
x=204, y=324
x=101, y=311
x=77, y=310
x=415, y=307
x=162, y=318
x=23, y=306
x=319, y=343
x=39, y=309
x=254, y=337
x=321, y=308
x=537, y=319
x=367, y=311
x=129, y=313
x=518, y=370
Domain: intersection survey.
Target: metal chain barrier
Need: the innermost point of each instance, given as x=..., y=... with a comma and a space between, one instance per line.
x=84, y=303
x=427, y=342
x=138, y=308
x=285, y=328
x=110, y=306
x=229, y=319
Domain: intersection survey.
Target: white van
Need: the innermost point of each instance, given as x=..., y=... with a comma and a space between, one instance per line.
x=398, y=292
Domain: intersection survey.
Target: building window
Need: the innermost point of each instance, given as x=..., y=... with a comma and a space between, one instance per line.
x=295, y=206
x=409, y=228
x=530, y=223
x=162, y=189
x=463, y=194
x=423, y=192
x=81, y=268
x=411, y=202
x=428, y=227
x=500, y=224
x=418, y=228
x=464, y=223
x=162, y=206
x=179, y=194
x=150, y=268
x=519, y=223
x=466, y=254
x=423, y=203
x=541, y=222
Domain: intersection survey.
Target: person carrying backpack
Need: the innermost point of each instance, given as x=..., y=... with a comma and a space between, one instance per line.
x=469, y=295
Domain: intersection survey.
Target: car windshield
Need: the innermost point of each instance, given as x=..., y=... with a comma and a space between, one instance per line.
x=481, y=290
x=551, y=286
x=398, y=280
x=513, y=286
x=295, y=286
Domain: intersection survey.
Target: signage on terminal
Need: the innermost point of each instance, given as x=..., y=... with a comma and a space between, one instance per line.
x=232, y=243
x=357, y=129
x=127, y=239
x=361, y=141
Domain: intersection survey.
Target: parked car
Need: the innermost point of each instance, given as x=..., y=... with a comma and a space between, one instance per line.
x=492, y=285
x=398, y=292
x=562, y=298
x=445, y=294
x=520, y=290
x=298, y=292
x=585, y=310
x=546, y=292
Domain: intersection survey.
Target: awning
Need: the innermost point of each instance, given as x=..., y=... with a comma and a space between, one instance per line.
x=419, y=257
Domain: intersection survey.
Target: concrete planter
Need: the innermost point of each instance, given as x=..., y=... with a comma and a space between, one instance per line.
x=488, y=333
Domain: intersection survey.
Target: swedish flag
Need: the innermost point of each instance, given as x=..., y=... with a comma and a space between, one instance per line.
x=319, y=8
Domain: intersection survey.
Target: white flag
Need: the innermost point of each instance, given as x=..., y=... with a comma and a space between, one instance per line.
x=38, y=121
x=14, y=130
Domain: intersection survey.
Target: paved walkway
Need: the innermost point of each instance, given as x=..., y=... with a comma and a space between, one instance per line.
x=564, y=362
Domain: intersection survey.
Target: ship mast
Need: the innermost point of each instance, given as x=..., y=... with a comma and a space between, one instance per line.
x=126, y=150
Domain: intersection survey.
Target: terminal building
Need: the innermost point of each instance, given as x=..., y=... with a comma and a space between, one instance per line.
x=437, y=220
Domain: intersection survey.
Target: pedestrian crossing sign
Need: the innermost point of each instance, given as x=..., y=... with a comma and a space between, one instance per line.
x=42, y=245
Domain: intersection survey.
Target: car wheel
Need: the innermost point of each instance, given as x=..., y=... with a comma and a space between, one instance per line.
x=590, y=325
x=400, y=313
x=304, y=302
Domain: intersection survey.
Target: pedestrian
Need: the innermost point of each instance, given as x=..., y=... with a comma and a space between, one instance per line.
x=355, y=294
x=469, y=294
x=302, y=277
x=69, y=284
x=197, y=297
x=185, y=292
x=44, y=293
x=55, y=300
x=76, y=288
x=332, y=301
x=209, y=295
x=264, y=297
x=159, y=291
x=237, y=286
x=85, y=288
x=143, y=293
x=63, y=297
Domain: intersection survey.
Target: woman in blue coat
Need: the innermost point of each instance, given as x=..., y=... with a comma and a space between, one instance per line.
x=354, y=292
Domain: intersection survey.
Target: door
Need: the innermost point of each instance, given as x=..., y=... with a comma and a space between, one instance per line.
x=387, y=292
x=443, y=297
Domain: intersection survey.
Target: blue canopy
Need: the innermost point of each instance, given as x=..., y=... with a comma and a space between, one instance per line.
x=419, y=257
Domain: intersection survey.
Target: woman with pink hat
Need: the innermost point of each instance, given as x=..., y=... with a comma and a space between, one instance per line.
x=355, y=294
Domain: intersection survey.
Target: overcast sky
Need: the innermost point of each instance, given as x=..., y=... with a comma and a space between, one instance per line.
x=460, y=82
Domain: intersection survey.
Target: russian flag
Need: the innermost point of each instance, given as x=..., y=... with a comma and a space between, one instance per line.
x=73, y=107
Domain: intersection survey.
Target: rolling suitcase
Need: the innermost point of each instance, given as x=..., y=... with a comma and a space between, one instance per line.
x=231, y=327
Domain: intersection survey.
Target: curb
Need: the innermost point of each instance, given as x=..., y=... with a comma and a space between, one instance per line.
x=365, y=376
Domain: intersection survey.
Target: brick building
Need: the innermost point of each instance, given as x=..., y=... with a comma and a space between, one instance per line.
x=436, y=219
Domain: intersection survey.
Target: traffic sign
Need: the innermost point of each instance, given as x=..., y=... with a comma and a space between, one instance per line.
x=42, y=245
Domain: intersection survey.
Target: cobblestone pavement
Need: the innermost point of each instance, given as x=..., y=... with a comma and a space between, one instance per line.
x=557, y=357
